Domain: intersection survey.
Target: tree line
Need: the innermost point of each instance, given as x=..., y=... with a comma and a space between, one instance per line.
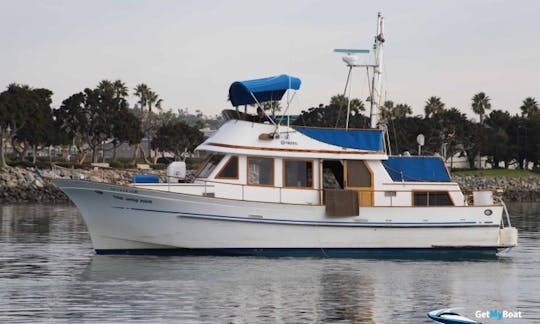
x=504, y=138
x=91, y=118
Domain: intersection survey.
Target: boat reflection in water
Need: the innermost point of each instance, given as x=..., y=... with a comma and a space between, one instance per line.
x=232, y=289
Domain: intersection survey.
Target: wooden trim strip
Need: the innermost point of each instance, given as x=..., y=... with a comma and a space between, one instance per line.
x=243, y=147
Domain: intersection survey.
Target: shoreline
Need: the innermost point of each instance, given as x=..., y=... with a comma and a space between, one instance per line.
x=26, y=185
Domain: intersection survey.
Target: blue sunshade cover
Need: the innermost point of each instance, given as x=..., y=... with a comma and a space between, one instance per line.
x=369, y=140
x=266, y=89
x=416, y=168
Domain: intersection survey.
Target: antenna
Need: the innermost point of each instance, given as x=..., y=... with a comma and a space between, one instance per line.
x=351, y=61
x=377, y=72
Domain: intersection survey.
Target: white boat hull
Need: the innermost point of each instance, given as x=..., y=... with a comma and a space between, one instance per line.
x=123, y=219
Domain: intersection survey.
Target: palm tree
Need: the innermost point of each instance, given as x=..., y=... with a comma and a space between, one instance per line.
x=147, y=100
x=529, y=107
x=147, y=97
x=434, y=106
x=480, y=103
x=402, y=110
x=120, y=89
x=387, y=110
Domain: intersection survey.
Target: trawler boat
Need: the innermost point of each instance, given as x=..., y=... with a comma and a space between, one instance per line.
x=282, y=190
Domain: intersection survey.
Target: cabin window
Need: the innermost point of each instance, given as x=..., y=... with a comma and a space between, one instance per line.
x=432, y=198
x=260, y=171
x=209, y=165
x=230, y=170
x=298, y=174
x=358, y=175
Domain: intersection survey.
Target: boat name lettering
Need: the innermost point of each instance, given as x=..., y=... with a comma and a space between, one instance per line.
x=142, y=201
x=288, y=142
x=124, y=190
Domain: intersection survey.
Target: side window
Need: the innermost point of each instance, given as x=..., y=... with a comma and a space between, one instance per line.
x=298, y=174
x=230, y=170
x=260, y=171
x=358, y=174
x=209, y=165
x=432, y=198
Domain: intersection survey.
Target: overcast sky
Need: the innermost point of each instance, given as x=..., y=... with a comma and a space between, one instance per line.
x=190, y=51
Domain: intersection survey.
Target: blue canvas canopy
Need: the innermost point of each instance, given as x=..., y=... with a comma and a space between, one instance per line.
x=416, y=168
x=369, y=140
x=266, y=89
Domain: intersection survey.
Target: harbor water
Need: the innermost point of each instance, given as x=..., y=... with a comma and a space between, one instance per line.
x=49, y=273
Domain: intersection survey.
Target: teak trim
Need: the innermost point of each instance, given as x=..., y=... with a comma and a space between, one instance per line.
x=276, y=149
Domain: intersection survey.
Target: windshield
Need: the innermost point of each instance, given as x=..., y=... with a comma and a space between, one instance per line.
x=209, y=165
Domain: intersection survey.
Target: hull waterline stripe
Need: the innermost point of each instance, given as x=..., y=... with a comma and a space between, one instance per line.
x=437, y=252
x=317, y=223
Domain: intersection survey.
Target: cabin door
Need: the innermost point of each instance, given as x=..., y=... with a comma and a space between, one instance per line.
x=358, y=177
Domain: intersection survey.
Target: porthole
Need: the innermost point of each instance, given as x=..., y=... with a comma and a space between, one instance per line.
x=488, y=212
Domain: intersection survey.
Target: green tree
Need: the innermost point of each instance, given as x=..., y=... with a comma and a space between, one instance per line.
x=402, y=110
x=529, y=107
x=480, y=103
x=148, y=99
x=403, y=132
x=26, y=113
x=332, y=115
x=390, y=112
x=177, y=137
x=433, y=106
x=499, y=146
x=387, y=111
x=93, y=116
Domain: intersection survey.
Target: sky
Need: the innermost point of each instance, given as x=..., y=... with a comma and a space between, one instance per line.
x=189, y=52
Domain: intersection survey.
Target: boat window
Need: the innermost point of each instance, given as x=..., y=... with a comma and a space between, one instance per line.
x=358, y=175
x=432, y=198
x=209, y=165
x=298, y=173
x=260, y=171
x=230, y=170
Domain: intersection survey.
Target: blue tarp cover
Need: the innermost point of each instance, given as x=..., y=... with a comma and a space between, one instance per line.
x=266, y=89
x=369, y=140
x=416, y=168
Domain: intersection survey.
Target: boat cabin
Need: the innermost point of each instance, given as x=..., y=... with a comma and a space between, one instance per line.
x=341, y=168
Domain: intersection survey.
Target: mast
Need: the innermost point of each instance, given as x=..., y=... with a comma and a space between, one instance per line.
x=376, y=84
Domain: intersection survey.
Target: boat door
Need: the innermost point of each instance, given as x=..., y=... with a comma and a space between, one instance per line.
x=358, y=177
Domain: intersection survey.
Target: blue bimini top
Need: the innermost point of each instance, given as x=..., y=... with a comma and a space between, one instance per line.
x=368, y=140
x=266, y=89
x=416, y=168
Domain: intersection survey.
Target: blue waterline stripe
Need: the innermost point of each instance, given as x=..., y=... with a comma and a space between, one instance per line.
x=442, y=252
x=273, y=220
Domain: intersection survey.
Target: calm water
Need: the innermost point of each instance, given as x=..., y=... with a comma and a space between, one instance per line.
x=49, y=273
